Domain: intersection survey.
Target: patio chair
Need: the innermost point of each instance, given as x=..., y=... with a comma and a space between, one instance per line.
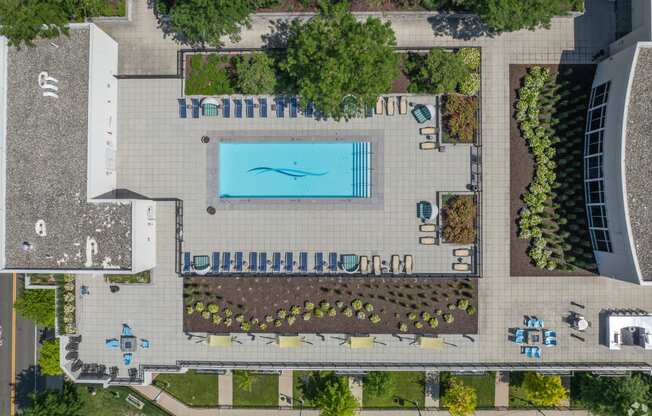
x=249, y=107
x=519, y=332
x=538, y=323
x=262, y=107
x=238, y=261
x=364, y=264
x=462, y=252
x=403, y=105
x=253, y=261
x=112, y=343
x=52, y=94
x=210, y=107
x=519, y=339
x=144, y=344
x=461, y=267
x=424, y=210
x=549, y=333
x=391, y=106
x=425, y=131
x=276, y=262
x=427, y=145
x=127, y=358
x=375, y=260
x=332, y=262
x=226, y=107
x=294, y=107
x=396, y=264
x=536, y=351
x=280, y=106
x=289, y=259
x=186, y=263
x=182, y=108
x=195, y=107
x=237, y=103
x=262, y=263
x=309, y=111
x=200, y=264
x=319, y=262
x=303, y=262
x=369, y=111
x=428, y=228
x=531, y=323
x=226, y=261
x=408, y=264
x=550, y=341
x=380, y=104
x=215, y=265
x=428, y=241
x=126, y=331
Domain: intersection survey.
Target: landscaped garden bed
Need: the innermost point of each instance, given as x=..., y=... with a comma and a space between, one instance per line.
x=550, y=236
x=484, y=386
x=330, y=305
x=44, y=279
x=66, y=304
x=393, y=389
x=255, y=389
x=458, y=218
x=192, y=388
x=459, y=119
x=138, y=278
x=113, y=8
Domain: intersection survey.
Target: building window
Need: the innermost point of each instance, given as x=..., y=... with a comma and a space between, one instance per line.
x=593, y=173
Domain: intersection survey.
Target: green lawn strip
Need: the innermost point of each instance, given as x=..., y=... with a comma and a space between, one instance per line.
x=105, y=402
x=192, y=388
x=299, y=390
x=409, y=387
x=264, y=391
x=208, y=75
x=113, y=8
x=142, y=277
x=484, y=385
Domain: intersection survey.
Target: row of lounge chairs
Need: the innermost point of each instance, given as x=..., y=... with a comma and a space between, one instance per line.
x=245, y=107
x=389, y=105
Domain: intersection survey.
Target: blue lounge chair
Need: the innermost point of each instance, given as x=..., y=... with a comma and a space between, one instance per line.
x=226, y=107
x=253, y=261
x=249, y=107
x=262, y=109
x=280, y=107
x=126, y=331
x=112, y=343
x=215, y=265
x=332, y=262
x=303, y=261
x=238, y=108
x=238, y=261
x=182, y=108
x=294, y=107
x=289, y=266
x=144, y=344
x=539, y=323
x=186, y=263
x=226, y=261
x=195, y=107
x=276, y=262
x=127, y=357
x=310, y=109
x=529, y=352
x=549, y=333
x=520, y=332
x=369, y=112
x=531, y=323
x=550, y=341
x=262, y=263
x=519, y=340
x=536, y=352
x=319, y=262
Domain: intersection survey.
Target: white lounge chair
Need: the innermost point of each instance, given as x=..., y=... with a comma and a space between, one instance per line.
x=364, y=264
x=462, y=252
x=409, y=264
x=427, y=228
x=396, y=264
x=461, y=267
x=380, y=104
x=376, y=265
x=50, y=87
x=403, y=105
x=50, y=94
x=427, y=241
x=427, y=145
x=428, y=130
x=391, y=106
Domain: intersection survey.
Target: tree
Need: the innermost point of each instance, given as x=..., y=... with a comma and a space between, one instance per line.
x=333, y=58
x=543, y=390
x=37, y=305
x=613, y=396
x=511, y=15
x=55, y=403
x=379, y=383
x=460, y=400
x=334, y=397
x=436, y=73
x=48, y=359
x=244, y=381
x=255, y=74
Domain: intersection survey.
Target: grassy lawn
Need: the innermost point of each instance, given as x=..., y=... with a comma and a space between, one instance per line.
x=142, y=277
x=105, y=402
x=208, y=75
x=192, y=388
x=263, y=391
x=407, y=385
x=484, y=385
x=114, y=8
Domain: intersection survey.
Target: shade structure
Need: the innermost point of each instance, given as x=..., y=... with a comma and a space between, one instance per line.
x=431, y=343
x=289, y=341
x=361, y=342
x=220, y=340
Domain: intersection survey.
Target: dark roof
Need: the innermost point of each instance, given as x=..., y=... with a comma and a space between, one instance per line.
x=638, y=157
x=46, y=165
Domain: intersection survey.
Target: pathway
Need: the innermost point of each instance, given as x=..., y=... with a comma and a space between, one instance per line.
x=285, y=388
x=432, y=390
x=225, y=389
x=501, y=398
x=355, y=384
x=171, y=404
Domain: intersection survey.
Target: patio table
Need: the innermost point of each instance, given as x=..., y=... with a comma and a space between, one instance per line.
x=128, y=343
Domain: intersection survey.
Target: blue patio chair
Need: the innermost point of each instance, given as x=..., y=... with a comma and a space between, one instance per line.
x=226, y=107
x=262, y=107
x=126, y=331
x=369, y=111
x=303, y=261
x=531, y=323
x=238, y=261
x=319, y=262
x=549, y=333
x=332, y=262
x=186, y=263
x=262, y=264
x=238, y=108
x=226, y=261
x=144, y=344
x=276, y=262
x=536, y=352
x=524, y=350
x=112, y=343
x=127, y=357
x=195, y=107
x=520, y=332
x=310, y=109
x=215, y=265
x=519, y=340
x=294, y=107
x=182, y=108
x=249, y=107
x=280, y=107
x=289, y=266
x=529, y=352
x=550, y=341
x=539, y=323
x=253, y=261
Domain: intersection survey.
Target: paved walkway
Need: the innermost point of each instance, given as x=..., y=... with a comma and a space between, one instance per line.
x=171, y=404
x=285, y=388
x=501, y=398
x=355, y=383
x=432, y=390
x=225, y=389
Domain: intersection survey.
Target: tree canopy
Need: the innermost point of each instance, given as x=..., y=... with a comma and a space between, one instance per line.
x=379, y=382
x=544, y=390
x=48, y=359
x=334, y=397
x=458, y=399
x=255, y=74
x=37, y=305
x=55, y=403
x=512, y=15
x=613, y=396
x=334, y=57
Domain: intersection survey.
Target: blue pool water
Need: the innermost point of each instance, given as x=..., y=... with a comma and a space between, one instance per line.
x=294, y=170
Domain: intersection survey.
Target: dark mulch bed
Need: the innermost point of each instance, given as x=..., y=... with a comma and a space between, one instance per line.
x=522, y=169
x=392, y=298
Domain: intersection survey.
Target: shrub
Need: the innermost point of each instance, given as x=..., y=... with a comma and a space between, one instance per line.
x=190, y=309
x=348, y=312
x=379, y=383
x=199, y=306
x=217, y=319
x=462, y=304
x=439, y=312
x=206, y=315
x=402, y=327
x=425, y=315
x=262, y=326
x=48, y=359
x=324, y=305
x=255, y=74
x=433, y=322
x=213, y=308
x=470, y=57
x=269, y=318
x=291, y=320
x=228, y=312
x=470, y=85
x=459, y=118
x=448, y=318
x=245, y=326
x=418, y=325
x=37, y=305
x=307, y=316
x=309, y=306
x=319, y=313
x=361, y=315
x=278, y=323
x=281, y=313
x=544, y=390
x=357, y=304
x=412, y=316
x=459, y=219
x=339, y=304
x=239, y=318
x=460, y=400
x=332, y=312
x=470, y=310
x=374, y=318
x=295, y=310
x=369, y=307
x=208, y=75
x=228, y=322
x=451, y=307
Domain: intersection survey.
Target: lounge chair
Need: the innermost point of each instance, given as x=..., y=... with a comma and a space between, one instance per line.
x=391, y=106
x=427, y=228
x=408, y=264
x=226, y=261
x=319, y=262
x=280, y=107
x=537, y=352
x=364, y=264
x=144, y=344
x=249, y=107
x=380, y=104
x=462, y=252
x=310, y=109
x=289, y=261
x=237, y=112
x=427, y=145
x=369, y=111
x=238, y=261
x=539, y=323
x=226, y=107
x=276, y=262
x=50, y=87
x=215, y=264
x=52, y=94
x=195, y=107
x=549, y=333
x=550, y=341
x=519, y=339
x=112, y=343
x=262, y=107
x=531, y=323
x=303, y=262
x=262, y=262
x=253, y=261
x=529, y=352
x=332, y=262
x=396, y=264
x=461, y=267
x=403, y=105
x=182, y=108
x=186, y=263
x=294, y=107
x=427, y=130
x=427, y=241
x=376, y=265
x=127, y=358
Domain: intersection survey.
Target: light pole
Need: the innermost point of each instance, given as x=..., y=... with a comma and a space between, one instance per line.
x=416, y=405
x=301, y=406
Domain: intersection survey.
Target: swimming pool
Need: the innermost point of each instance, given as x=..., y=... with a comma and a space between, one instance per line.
x=294, y=170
